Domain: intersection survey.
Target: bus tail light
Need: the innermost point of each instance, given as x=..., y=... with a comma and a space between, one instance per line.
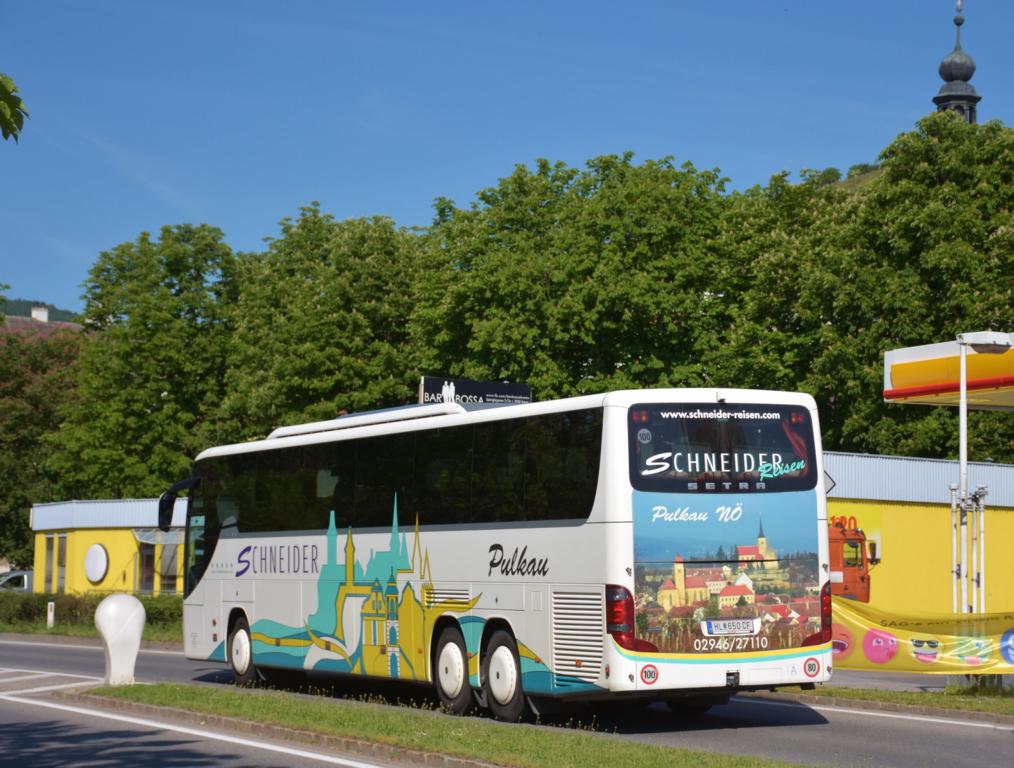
x=824, y=636
x=620, y=620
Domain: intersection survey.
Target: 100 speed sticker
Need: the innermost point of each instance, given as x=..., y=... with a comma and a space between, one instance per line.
x=649, y=674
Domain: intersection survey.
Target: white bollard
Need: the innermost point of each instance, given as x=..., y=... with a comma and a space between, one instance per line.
x=50, y=614
x=120, y=621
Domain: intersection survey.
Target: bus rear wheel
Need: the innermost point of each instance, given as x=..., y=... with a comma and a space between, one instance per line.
x=240, y=649
x=451, y=673
x=501, y=678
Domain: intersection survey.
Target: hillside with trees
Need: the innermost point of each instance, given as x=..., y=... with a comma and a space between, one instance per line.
x=23, y=308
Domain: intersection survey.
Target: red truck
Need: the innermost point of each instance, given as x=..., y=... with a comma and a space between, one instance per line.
x=850, y=562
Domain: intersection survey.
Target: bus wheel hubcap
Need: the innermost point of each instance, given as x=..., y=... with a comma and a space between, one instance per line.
x=503, y=675
x=451, y=670
x=240, y=652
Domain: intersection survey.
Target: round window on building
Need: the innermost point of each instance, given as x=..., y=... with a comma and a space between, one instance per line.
x=96, y=563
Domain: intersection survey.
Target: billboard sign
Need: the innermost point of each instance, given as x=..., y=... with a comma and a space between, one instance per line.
x=439, y=389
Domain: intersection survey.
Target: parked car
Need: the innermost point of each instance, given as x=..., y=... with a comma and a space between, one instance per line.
x=16, y=581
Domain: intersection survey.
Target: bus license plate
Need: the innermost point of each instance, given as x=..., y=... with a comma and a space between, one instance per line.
x=727, y=627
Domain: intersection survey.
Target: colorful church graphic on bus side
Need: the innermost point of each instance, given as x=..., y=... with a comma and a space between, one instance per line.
x=379, y=619
x=368, y=620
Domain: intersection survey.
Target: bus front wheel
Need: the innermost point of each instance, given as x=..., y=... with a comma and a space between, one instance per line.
x=241, y=653
x=451, y=678
x=501, y=678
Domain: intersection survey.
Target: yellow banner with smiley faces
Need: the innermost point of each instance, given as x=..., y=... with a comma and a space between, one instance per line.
x=865, y=638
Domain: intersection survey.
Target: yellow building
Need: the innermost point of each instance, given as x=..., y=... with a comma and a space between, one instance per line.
x=107, y=546
x=682, y=589
x=733, y=594
x=903, y=507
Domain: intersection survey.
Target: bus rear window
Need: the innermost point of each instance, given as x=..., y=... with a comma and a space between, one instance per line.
x=695, y=447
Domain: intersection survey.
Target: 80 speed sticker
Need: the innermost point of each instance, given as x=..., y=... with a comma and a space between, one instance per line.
x=811, y=667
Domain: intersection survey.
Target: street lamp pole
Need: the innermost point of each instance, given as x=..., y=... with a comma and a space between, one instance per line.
x=963, y=468
x=990, y=343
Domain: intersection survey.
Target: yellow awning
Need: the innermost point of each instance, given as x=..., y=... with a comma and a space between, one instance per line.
x=929, y=375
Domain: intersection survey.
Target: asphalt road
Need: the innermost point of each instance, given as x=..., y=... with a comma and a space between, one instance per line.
x=746, y=726
x=35, y=737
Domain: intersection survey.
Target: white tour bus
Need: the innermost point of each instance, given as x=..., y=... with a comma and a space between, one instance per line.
x=665, y=544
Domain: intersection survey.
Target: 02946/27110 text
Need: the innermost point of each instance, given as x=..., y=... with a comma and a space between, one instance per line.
x=730, y=644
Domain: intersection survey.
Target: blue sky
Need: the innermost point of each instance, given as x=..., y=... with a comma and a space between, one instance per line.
x=237, y=113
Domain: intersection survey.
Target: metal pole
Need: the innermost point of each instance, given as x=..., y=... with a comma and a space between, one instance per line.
x=965, y=570
x=963, y=464
x=963, y=421
x=982, y=548
x=973, y=572
x=955, y=567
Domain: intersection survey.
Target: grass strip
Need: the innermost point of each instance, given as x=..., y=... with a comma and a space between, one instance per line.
x=163, y=633
x=518, y=746
x=953, y=697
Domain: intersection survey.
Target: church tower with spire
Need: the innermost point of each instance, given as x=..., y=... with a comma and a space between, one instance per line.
x=956, y=70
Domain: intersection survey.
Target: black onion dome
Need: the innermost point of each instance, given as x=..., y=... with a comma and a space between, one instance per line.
x=957, y=66
x=956, y=70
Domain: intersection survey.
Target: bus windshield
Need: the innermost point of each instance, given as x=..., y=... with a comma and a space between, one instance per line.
x=679, y=448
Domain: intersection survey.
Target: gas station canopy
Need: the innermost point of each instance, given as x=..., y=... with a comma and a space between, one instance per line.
x=930, y=374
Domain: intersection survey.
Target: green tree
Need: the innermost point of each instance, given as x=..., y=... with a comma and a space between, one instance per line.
x=861, y=169
x=321, y=323
x=641, y=622
x=922, y=253
x=575, y=281
x=36, y=378
x=12, y=109
x=150, y=375
x=820, y=178
x=823, y=280
x=769, y=245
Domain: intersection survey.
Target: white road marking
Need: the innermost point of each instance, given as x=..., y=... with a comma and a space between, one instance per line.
x=210, y=735
x=37, y=674
x=45, y=688
x=82, y=647
x=23, y=677
x=54, y=673
x=868, y=713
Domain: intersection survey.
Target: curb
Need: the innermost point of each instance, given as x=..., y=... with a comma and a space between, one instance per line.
x=341, y=744
x=883, y=706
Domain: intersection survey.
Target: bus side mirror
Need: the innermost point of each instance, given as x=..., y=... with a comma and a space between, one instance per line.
x=167, y=501
x=873, y=553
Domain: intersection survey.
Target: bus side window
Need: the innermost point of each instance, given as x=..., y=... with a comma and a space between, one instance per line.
x=498, y=472
x=561, y=464
x=333, y=466
x=443, y=469
x=384, y=468
x=227, y=510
